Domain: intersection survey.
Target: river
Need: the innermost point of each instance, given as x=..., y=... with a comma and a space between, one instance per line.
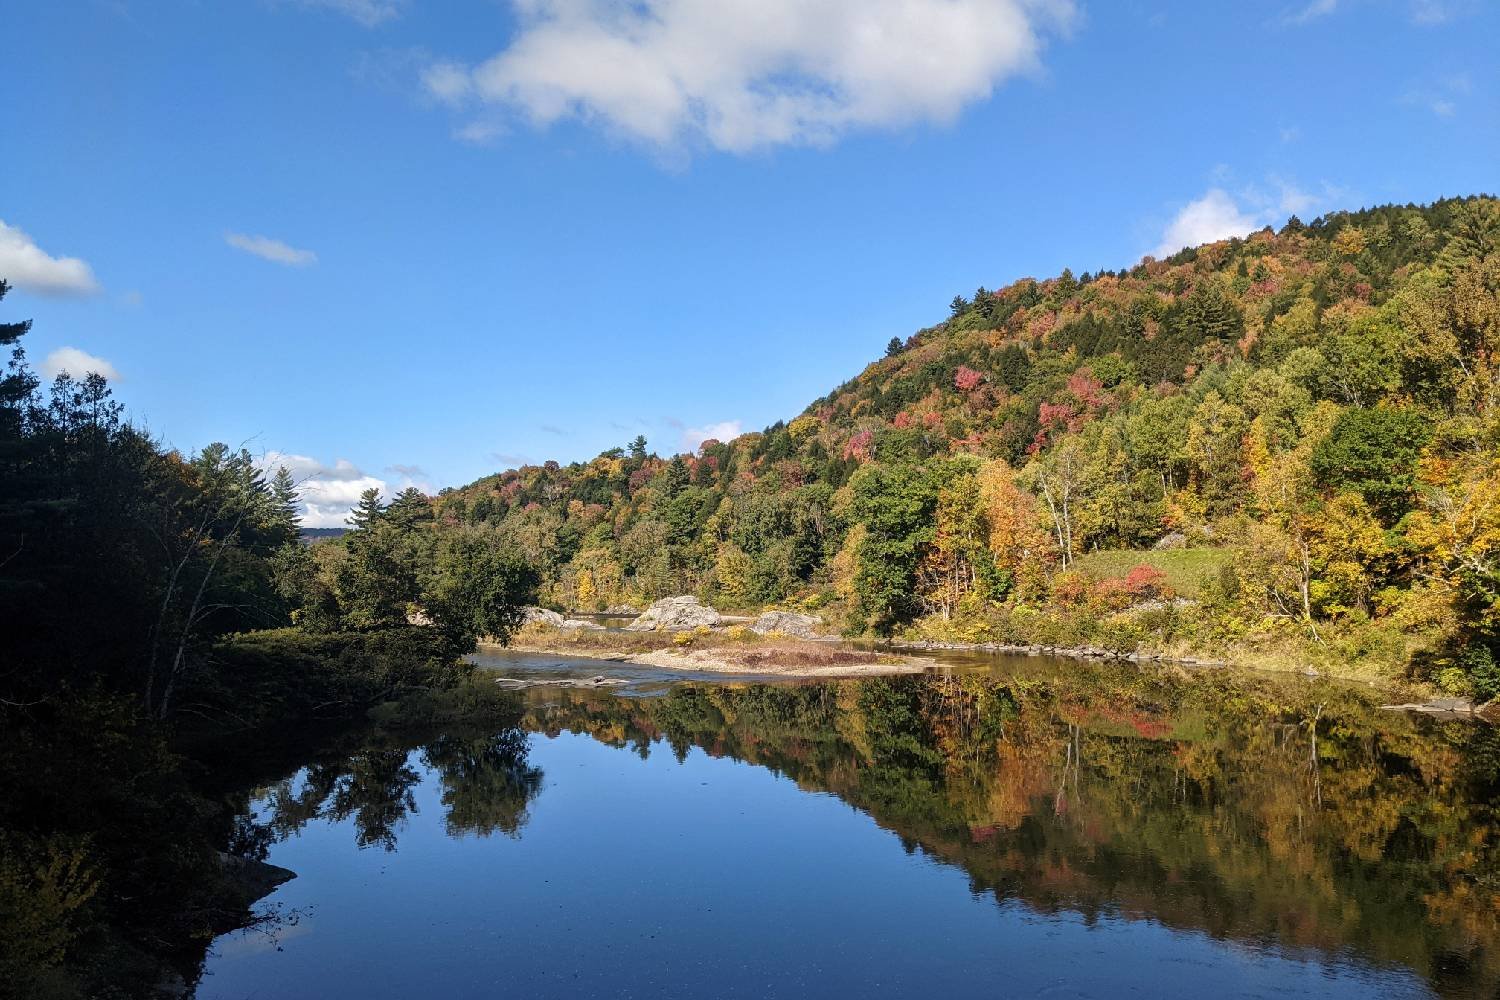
x=1005, y=827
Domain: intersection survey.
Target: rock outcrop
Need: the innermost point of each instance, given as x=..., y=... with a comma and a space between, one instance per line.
x=787, y=623
x=675, y=613
x=541, y=616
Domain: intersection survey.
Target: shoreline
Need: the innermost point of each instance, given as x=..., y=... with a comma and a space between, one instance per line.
x=714, y=660
x=1071, y=652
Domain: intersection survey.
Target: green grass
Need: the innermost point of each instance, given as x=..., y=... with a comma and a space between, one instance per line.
x=1186, y=569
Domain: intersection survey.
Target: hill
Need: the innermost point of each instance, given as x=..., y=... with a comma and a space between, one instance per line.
x=1311, y=409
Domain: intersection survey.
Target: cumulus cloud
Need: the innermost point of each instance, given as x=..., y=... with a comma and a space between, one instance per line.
x=724, y=430
x=29, y=267
x=1218, y=215
x=367, y=12
x=77, y=364
x=274, y=251
x=328, y=492
x=1215, y=216
x=747, y=74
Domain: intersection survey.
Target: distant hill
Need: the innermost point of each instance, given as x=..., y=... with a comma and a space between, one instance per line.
x=313, y=534
x=1296, y=396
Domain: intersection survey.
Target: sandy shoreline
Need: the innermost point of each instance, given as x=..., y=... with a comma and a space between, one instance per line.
x=717, y=661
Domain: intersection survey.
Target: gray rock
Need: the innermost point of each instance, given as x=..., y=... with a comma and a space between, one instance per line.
x=675, y=613
x=1171, y=540
x=541, y=616
x=787, y=623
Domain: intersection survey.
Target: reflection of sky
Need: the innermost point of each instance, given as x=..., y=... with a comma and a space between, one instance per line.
x=710, y=878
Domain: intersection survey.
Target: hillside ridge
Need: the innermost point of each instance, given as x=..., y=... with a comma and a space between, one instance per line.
x=1339, y=369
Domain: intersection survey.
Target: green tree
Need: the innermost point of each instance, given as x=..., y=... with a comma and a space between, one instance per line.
x=1374, y=452
x=895, y=506
x=368, y=511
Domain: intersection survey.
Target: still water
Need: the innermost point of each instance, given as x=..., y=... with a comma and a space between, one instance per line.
x=1015, y=830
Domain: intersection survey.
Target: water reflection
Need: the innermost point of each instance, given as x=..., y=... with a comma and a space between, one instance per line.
x=1282, y=813
x=486, y=783
x=1290, y=815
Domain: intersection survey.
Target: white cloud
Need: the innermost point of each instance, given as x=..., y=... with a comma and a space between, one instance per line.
x=29, y=267
x=1215, y=216
x=367, y=12
x=77, y=364
x=1218, y=215
x=747, y=74
x=1419, y=12
x=273, y=250
x=1311, y=12
x=448, y=81
x=479, y=132
x=724, y=430
x=328, y=492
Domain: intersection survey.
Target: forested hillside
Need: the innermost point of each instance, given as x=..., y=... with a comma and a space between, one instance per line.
x=1282, y=448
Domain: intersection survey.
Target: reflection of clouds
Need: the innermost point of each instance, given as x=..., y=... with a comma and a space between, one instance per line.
x=262, y=938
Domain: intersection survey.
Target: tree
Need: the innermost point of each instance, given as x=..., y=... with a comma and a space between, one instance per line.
x=894, y=348
x=1018, y=543
x=1214, y=440
x=588, y=596
x=368, y=512
x=1374, y=452
x=1064, y=477
x=479, y=589
x=894, y=505
x=409, y=509
x=285, y=500
x=638, y=448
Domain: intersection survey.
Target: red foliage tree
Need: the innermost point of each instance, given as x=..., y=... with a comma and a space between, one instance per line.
x=967, y=379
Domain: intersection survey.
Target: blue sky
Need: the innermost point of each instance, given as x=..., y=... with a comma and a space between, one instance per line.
x=419, y=241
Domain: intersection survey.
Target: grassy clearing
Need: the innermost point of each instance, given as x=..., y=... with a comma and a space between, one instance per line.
x=1186, y=569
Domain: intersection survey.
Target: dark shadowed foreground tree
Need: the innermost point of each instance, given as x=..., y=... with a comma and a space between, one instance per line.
x=148, y=598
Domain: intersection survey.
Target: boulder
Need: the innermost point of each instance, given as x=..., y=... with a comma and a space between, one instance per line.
x=787, y=623
x=541, y=616
x=1171, y=540
x=676, y=614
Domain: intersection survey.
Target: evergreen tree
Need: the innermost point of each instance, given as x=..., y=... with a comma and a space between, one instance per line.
x=369, y=512
x=284, y=495
x=894, y=348
x=409, y=509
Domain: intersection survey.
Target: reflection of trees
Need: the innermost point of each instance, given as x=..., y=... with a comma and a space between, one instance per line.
x=373, y=787
x=1285, y=812
x=487, y=782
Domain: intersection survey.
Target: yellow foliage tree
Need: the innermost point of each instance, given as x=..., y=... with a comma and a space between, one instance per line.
x=588, y=596
x=1017, y=538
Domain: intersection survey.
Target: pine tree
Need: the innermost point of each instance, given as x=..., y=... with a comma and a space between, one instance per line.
x=369, y=511
x=284, y=501
x=409, y=508
x=894, y=348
